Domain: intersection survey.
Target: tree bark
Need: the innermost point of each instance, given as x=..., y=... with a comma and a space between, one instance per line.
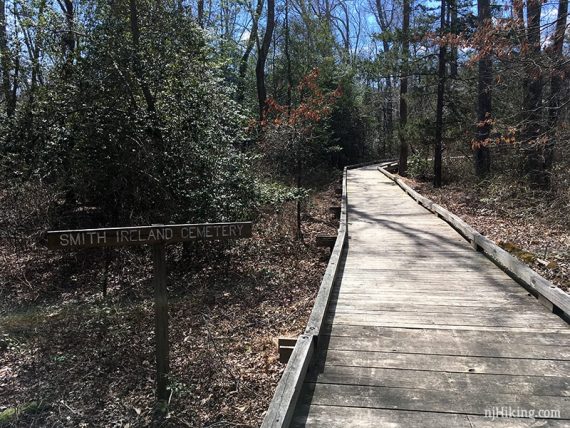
x=403, y=163
x=533, y=98
x=36, y=48
x=385, y=23
x=6, y=62
x=484, y=97
x=557, y=76
x=437, y=164
x=288, y=59
x=248, y=49
x=453, y=69
x=262, y=58
x=68, y=40
x=201, y=13
x=69, y=37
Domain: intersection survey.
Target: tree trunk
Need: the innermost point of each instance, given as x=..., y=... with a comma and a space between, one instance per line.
x=137, y=63
x=248, y=49
x=533, y=98
x=201, y=13
x=35, y=51
x=154, y=128
x=437, y=167
x=6, y=62
x=288, y=58
x=383, y=22
x=403, y=164
x=299, y=233
x=453, y=69
x=262, y=58
x=556, y=80
x=485, y=82
x=68, y=38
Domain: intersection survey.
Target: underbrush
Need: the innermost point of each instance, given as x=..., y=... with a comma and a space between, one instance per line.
x=74, y=356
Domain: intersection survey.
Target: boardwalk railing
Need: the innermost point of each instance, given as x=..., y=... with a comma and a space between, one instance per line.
x=285, y=398
x=547, y=293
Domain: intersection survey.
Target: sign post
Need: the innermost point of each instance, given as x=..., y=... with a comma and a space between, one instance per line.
x=161, y=320
x=158, y=236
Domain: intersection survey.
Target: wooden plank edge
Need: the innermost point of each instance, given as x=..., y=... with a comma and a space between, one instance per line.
x=284, y=401
x=547, y=293
x=376, y=162
x=317, y=317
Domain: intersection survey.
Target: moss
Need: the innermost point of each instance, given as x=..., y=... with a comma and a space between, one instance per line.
x=10, y=414
x=525, y=256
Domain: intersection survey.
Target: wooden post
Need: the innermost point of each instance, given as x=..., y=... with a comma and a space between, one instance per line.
x=107, y=256
x=161, y=319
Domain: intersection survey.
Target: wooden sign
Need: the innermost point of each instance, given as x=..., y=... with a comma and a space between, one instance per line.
x=156, y=236
x=147, y=235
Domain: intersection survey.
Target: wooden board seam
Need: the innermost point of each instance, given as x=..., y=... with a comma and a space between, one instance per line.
x=524, y=275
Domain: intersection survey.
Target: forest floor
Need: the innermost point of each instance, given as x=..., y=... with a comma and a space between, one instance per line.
x=532, y=225
x=69, y=357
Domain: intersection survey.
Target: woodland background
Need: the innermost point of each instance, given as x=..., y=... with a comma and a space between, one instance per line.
x=133, y=112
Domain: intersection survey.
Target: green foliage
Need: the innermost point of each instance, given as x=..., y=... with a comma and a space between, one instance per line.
x=274, y=193
x=419, y=166
x=349, y=124
x=150, y=141
x=11, y=414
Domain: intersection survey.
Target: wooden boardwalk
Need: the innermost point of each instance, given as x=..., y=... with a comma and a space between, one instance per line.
x=423, y=331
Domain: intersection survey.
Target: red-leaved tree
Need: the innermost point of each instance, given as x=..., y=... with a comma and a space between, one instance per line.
x=294, y=136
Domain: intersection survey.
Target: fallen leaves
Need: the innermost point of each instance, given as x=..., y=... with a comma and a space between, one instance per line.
x=91, y=360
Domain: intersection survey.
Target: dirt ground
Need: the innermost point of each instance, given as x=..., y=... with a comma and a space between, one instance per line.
x=71, y=357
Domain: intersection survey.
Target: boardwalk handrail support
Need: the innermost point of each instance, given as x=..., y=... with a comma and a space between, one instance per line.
x=284, y=400
x=547, y=293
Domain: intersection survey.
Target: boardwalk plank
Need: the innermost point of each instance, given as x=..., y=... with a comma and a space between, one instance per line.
x=469, y=402
x=342, y=417
x=560, y=337
x=432, y=362
x=452, y=346
x=423, y=331
x=443, y=381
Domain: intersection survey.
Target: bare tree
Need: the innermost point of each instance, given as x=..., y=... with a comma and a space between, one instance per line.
x=385, y=20
x=437, y=164
x=485, y=82
x=533, y=96
x=262, y=58
x=249, y=48
x=68, y=39
x=403, y=164
x=6, y=62
x=557, y=74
